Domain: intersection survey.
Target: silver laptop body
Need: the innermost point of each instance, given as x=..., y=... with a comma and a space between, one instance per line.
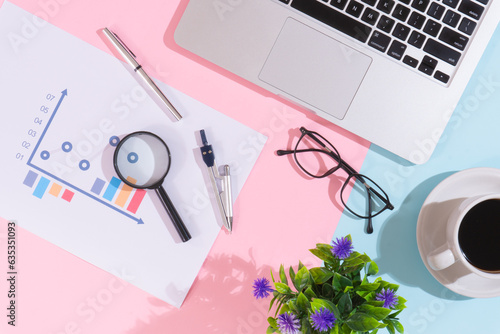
x=389, y=71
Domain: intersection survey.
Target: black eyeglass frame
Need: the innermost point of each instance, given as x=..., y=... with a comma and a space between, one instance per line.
x=342, y=164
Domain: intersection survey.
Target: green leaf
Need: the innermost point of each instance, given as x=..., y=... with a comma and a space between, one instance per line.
x=401, y=303
x=303, y=303
x=353, y=271
x=310, y=293
x=321, y=255
x=292, y=306
x=345, y=304
x=282, y=288
x=398, y=326
x=353, y=262
x=345, y=329
x=378, y=313
x=358, y=256
x=285, y=308
x=302, y=278
x=320, y=275
x=327, y=290
x=395, y=314
x=386, y=285
x=362, y=322
x=371, y=268
x=324, y=252
x=270, y=330
x=282, y=305
x=353, y=255
x=291, y=272
x=319, y=303
x=340, y=282
x=272, y=302
x=365, y=258
x=301, y=265
x=363, y=294
x=272, y=323
x=368, y=286
x=305, y=327
x=335, y=329
x=376, y=303
x=390, y=326
x=325, y=248
x=282, y=275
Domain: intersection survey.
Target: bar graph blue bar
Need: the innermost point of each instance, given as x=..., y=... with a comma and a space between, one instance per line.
x=41, y=187
x=112, y=188
x=30, y=178
x=98, y=185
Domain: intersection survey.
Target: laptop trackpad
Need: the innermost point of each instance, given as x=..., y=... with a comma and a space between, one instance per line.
x=314, y=68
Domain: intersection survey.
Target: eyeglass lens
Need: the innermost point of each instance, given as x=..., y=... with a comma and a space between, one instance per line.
x=363, y=189
x=314, y=159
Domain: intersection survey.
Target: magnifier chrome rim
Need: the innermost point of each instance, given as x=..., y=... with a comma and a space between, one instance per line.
x=115, y=157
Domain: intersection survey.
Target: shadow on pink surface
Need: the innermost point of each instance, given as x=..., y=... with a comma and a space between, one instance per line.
x=220, y=301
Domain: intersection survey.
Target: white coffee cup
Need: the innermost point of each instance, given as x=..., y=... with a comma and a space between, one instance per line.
x=450, y=251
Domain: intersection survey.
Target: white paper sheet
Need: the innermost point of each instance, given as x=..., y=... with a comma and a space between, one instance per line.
x=62, y=101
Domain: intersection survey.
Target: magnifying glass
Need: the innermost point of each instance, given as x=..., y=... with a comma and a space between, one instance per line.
x=142, y=160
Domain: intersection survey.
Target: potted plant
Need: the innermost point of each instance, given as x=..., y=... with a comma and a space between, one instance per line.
x=336, y=298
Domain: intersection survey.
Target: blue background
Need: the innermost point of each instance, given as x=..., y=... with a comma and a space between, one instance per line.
x=471, y=139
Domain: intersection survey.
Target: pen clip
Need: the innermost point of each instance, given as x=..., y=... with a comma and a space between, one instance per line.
x=122, y=43
x=227, y=194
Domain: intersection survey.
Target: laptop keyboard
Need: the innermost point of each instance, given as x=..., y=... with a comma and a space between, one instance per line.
x=425, y=35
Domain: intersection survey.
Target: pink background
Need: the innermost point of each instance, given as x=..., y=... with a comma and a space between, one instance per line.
x=279, y=215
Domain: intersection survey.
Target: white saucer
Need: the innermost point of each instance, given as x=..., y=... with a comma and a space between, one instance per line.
x=431, y=226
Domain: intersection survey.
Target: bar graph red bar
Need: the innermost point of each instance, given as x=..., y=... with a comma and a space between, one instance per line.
x=67, y=195
x=136, y=200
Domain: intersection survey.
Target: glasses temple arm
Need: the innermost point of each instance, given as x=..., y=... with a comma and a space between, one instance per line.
x=382, y=198
x=284, y=152
x=369, y=227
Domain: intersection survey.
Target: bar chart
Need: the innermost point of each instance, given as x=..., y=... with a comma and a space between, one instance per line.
x=126, y=196
x=44, y=180
x=42, y=185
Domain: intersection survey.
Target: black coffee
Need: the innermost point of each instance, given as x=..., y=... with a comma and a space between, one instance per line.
x=479, y=236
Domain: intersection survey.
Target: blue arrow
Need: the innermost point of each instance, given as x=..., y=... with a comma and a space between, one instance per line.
x=64, y=93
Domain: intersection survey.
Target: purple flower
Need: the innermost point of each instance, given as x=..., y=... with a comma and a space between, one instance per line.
x=322, y=320
x=342, y=248
x=261, y=288
x=388, y=297
x=288, y=323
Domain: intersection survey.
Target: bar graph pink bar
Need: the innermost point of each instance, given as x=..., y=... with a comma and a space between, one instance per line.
x=136, y=200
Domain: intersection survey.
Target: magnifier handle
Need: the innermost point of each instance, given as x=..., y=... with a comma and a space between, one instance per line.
x=172, y=213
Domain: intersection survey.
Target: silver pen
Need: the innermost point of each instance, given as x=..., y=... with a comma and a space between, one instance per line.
x=129, y=56
x=223, y=196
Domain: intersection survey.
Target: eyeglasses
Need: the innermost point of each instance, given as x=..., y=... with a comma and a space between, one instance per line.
x=318, y=158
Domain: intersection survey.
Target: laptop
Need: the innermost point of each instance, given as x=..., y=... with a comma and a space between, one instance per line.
x=389, y=71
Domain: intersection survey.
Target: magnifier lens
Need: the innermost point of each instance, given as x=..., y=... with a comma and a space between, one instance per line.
x=143, y=160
